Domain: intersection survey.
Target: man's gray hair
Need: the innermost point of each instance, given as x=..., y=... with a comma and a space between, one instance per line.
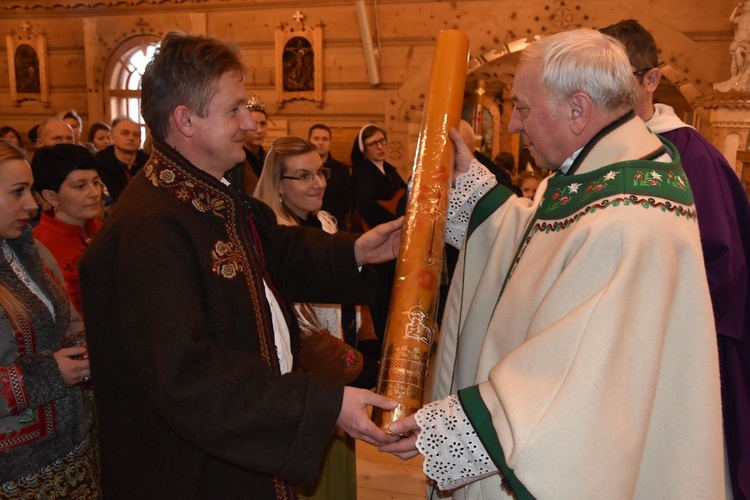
x=41, y=130
x=585, y=60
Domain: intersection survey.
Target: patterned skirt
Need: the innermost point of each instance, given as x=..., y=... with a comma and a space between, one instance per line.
x=76, y=475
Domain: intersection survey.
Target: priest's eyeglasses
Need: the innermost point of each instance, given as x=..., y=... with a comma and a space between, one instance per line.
x=642, y=72
x=305, y=177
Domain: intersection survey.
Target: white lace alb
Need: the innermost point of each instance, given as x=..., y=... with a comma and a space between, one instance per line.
x=453, y=454
x=469, y=188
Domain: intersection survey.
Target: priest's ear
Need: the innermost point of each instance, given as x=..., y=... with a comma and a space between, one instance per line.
x=580, y=107
x=182, y=119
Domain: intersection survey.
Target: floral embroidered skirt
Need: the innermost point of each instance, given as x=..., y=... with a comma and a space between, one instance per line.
x=76, y=475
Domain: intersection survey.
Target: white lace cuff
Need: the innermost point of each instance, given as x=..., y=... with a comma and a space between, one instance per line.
x=469, y=187
x=453, y=454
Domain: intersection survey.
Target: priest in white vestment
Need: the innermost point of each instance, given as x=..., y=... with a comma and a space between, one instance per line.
x=578, y=356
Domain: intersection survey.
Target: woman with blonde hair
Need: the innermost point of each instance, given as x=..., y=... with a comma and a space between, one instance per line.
x=45, y=445
x=335, y=341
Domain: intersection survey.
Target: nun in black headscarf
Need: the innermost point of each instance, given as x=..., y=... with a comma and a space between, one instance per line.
x=379, y=196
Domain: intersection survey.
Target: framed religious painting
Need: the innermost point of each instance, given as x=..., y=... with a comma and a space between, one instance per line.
x=27, y=65
x=299, y=61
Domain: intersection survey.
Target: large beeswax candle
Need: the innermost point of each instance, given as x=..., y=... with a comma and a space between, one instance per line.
x=411, y=325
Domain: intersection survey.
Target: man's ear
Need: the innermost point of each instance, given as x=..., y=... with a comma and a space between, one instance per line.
x=580, y=112
x=182, y=117
x=651, y=80
x=50, y=197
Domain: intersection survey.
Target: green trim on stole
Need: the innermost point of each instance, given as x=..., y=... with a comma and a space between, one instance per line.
x=481, y=420
x=643, y=178
x=487, y=205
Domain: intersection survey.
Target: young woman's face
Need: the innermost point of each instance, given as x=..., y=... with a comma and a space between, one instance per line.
x=305, y=195
x=102, y=139
x=16, y=201
x=79, y=198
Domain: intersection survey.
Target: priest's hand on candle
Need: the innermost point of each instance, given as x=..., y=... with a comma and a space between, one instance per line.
x=464, y=156
x=405, y=448
x=379, y=244
x=354, y=418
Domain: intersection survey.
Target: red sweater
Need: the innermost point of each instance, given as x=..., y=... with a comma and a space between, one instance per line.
x=67, y=242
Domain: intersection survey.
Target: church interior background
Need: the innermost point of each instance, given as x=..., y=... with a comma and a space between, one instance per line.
x=352, y=62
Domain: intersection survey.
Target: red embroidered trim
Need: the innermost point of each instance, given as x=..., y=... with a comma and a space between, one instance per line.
x=42, y=424
x=13, y=390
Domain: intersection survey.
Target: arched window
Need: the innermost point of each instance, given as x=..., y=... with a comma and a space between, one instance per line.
x=125, y=82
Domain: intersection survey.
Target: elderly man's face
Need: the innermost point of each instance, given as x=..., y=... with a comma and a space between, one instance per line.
x=55, y=132
x=544, y=127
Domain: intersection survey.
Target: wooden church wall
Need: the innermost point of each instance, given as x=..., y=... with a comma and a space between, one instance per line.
x=82, y=35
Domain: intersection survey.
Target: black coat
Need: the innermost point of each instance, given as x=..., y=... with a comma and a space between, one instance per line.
x=256, y=162
x=337, y=199
x=370, y=186
x=112, y=170
x=190, y=401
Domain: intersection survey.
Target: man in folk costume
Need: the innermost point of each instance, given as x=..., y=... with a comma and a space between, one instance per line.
x=724, y=223
x=579, y=336
x=189, y=287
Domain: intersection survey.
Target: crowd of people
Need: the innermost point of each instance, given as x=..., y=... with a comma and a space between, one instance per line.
x=235, y=295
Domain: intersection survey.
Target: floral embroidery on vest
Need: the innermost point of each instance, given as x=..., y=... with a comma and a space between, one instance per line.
x=350, y=356
x=654, y=178
x=664, y=188
x=231, y=257
x=184, y=189
x=227, y=260
x=663, y=205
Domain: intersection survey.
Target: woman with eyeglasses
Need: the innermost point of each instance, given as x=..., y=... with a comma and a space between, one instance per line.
x=45, y=446
x=377, y=187
x=336, y=342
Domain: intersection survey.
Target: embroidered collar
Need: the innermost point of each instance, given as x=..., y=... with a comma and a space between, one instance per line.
x=171, y=171
x=568, y=194
x=238, y=254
